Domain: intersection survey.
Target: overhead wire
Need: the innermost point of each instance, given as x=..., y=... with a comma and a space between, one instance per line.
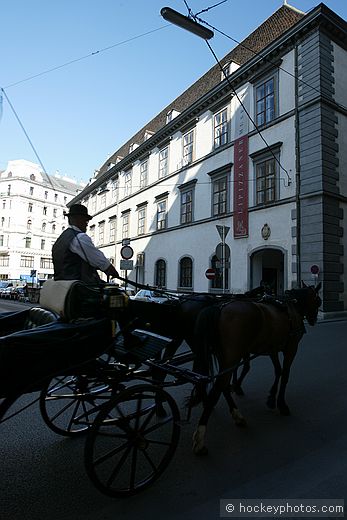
x=94, y=53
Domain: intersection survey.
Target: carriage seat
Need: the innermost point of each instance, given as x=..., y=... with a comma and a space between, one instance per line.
x=11, y=322
x=38, y=316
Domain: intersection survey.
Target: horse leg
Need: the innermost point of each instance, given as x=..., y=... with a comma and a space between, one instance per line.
x=159, y=375
x=271, y=400
x=237, y=382
x=235, y=413
x=199, y=447
x=289, y=355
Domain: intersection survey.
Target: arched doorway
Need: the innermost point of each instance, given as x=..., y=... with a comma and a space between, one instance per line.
x=267, y=267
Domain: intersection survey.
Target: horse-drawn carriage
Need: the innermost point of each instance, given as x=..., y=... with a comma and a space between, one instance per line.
x=102, y=364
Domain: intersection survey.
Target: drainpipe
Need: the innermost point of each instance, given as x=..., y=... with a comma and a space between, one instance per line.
x=297, y=168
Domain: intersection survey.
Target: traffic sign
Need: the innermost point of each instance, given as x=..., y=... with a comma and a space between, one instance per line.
x=127, y=265
x=210, y=274
x=127, y=252
x=314, y=269
x=223, y=231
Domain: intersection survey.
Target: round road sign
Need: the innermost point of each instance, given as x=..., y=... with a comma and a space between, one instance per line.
x=210, y=274
x=314, y=269
x=127, y=252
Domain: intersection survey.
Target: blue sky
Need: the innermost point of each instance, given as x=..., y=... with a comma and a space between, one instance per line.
x=77, y=115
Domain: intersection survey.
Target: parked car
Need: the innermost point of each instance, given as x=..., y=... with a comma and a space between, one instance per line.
x=150, y=296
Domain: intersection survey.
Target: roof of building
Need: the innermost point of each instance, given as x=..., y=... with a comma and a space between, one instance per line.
x=277, y=24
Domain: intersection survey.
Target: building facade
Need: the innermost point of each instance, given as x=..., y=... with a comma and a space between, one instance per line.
x=31, y=218
x=243, y=174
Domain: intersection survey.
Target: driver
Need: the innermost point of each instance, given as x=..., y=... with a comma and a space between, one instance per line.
x=74, y=255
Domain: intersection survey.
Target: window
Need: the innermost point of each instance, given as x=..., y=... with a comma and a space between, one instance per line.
x=163, y=162
x=54, y=227
x=221, y=128
x=141, y=223
x=218, y=282
x=112, y=230
x=101, y=232
x=55, y=212
x=103, y=200
x=30, y=207
x=2, y=221
x=43, y=242
x=266, y=185
x=65, y=199
x=125, y=225
x=9, y=189
x=29, y=223
x=46, y=263
x=265, y=102
x=127, y=183
x=140, y=268
x=46, y=195
x=44, y=211
x=44, y=225
x=27, y=242
x=1, y=240
x=143, y=174
x=219, y=195
x=32, y=177
x=114, y=192
x=31, y=190
x=186, y=273
x=93, y=204
x=55, y=197
x=161, y=214
x=4, y=260
x=188, y=146
x=92, y=233
x=160, y=273
x=187, y=193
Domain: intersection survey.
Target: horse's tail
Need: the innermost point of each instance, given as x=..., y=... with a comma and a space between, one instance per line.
x=204, y=347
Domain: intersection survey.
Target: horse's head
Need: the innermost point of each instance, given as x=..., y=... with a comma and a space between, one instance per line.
x=311, y=301
x=308, y=301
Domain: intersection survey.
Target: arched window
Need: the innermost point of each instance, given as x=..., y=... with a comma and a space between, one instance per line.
x=44, y=226
x=32, y=177
x=53, y=228
x=186, y=273
x=29, y=224
x=160, y=273
x=221, y=280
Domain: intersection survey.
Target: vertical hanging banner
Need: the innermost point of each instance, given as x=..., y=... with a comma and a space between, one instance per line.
x=241, y=170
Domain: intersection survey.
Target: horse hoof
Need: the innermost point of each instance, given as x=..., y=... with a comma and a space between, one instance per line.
x=271, y=403
x=237, y=390
x=201, y=452
x=239, y=420
x=284, y=410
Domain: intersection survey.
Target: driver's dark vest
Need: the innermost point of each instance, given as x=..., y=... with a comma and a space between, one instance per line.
x=68, y=265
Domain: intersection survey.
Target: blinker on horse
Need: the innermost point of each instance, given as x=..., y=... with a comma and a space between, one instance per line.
x=240, y=328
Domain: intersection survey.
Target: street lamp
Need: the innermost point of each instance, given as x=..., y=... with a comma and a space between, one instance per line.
x=186, y=23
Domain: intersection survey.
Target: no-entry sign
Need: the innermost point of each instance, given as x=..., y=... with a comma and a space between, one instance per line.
x=210, y=274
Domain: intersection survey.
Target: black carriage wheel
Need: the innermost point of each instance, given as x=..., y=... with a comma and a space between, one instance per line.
x=130, y=444
x=68, y=404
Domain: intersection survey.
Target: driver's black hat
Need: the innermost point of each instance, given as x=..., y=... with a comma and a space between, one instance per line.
x=80, y=210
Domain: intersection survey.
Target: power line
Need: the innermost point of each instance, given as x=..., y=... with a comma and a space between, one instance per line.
x=94, y=53
x=25, y=132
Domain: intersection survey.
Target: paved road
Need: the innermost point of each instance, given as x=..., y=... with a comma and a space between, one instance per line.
x=302, y=456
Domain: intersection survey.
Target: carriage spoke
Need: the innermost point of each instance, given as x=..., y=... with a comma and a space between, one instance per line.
x=133, y=468
x=111, y=453
x=118, y=467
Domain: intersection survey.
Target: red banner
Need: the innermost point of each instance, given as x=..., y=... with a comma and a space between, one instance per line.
x=241, y=187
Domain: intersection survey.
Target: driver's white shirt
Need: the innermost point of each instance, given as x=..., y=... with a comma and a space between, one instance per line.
x=83, y=246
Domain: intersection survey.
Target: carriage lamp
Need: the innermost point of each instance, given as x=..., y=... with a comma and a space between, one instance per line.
x=186, y=23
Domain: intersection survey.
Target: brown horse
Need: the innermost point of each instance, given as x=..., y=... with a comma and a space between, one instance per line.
x=241, y=328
